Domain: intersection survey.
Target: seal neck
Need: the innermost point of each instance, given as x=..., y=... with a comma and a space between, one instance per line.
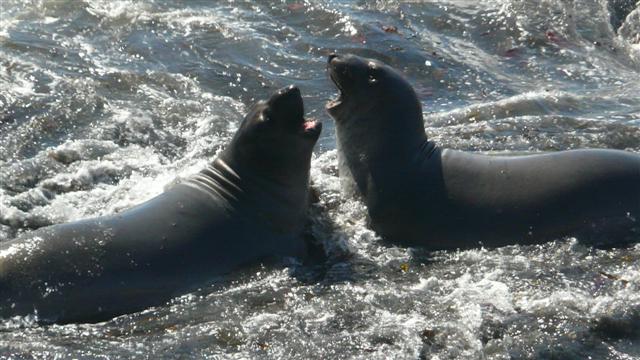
x=373, y=156
x=239, y=186
x=220, y=180
x=371, y=142
x=425, y=151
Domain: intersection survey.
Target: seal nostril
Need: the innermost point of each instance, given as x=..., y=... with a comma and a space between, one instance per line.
x=288, y=90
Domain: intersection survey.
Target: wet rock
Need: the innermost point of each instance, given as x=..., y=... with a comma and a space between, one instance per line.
x=65, y=156
x=622, y=325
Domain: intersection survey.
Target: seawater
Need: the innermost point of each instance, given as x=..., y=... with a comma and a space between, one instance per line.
x=103, y=104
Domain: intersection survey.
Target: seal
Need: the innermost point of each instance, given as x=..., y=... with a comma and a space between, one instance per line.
x=419, y=194
x=248, y=205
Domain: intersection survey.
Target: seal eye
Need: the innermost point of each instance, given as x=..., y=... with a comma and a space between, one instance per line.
x=265, y=115
x=372, y=79
x=263, y=120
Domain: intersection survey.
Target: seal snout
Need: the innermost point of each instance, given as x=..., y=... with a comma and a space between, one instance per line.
x=287, y=103
x=333, y=64
x=337, y=70
x=287, y=107
x=290, y=90
x=287, y=97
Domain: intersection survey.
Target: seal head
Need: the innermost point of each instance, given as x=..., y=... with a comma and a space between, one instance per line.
x=275, y=140
x=378, y=120
x=371, y=91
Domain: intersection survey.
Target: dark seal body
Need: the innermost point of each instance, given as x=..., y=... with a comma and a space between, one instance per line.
x=242, y=208
x=420, y=195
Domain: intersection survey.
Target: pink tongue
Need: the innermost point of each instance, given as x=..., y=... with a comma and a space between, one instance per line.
x=308, y=125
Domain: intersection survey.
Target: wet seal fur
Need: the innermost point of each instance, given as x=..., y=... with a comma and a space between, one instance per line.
x=418, y=194
x=249, y=204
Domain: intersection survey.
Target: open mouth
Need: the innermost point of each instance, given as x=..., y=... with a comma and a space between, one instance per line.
x=334, y=103
x=311, y=127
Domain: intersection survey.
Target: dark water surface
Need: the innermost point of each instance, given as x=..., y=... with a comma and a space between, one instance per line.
x=104, y=103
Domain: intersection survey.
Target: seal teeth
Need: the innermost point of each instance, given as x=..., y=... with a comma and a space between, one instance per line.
x=334, y=103
x=338, y=100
